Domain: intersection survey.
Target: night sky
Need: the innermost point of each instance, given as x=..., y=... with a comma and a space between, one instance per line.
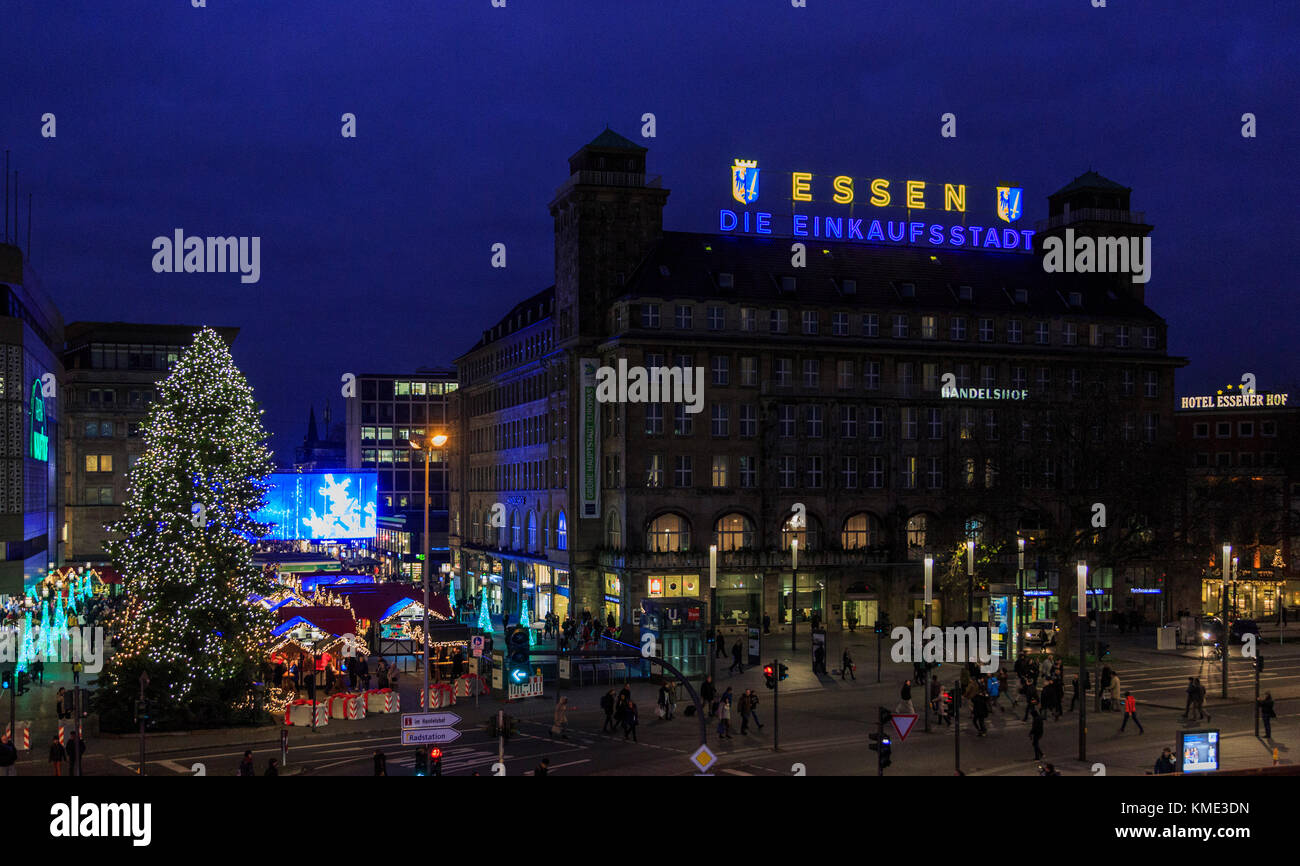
x=375, y=252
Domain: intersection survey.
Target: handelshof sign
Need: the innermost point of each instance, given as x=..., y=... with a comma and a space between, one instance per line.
x=912, y=195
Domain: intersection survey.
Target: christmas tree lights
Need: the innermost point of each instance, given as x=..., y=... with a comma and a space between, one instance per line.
x=184, y=547
x=484, y=618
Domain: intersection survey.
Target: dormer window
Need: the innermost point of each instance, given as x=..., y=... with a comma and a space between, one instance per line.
x=787, y=284
x=965, y=293
x=726, y=281
x=849, y=287
x=1022, y=296
x=907, y=290
x=1076, y=299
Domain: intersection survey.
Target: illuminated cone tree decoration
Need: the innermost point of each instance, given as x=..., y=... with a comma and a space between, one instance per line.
x=184, y=547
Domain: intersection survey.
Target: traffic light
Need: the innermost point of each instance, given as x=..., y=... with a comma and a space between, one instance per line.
x=1259, y=664
x=784, y=672
x=885, y=716
x=769, y=676
x=436, y=755
x=885, y=753
x=517, y=670
x=7, y=680
x=421, y=761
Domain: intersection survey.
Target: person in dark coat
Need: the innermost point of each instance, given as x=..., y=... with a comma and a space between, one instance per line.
x=381, y=764
x=1166, y=763
x=736, y=665
x=246, y=765
x=272, y=768
x=58, y=755
x=1036, y=733
x=1266, y=714
x=708, y=692
x=607, y=704
x=630, y=721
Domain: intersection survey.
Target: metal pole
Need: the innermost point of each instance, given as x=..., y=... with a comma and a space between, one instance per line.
x=956, y=709
x=1082, y=611
x=501, y=736
x=424, y=570
x=925, y=621
x=879, y=640
x=713, y=612
x=1257, y=696
x=970, y=582
x=1227, y=564
x=776, y=715
x=794, y=593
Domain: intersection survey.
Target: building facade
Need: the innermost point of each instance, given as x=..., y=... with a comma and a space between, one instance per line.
x=872, y=404
x=112, y=373
x=1243, y=488
x=31, y=497
x=387, y=412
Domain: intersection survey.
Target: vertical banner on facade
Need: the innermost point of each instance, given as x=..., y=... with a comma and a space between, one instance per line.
x=590, y=440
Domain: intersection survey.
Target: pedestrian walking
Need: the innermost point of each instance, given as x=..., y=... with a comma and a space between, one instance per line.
x=58, y=755
x=767, y=624
x=753, y=708
x=905, y=698
x=630, y=721
x=736, y=651
x=665, y=708
x=724, y=715
x=819, y=659
x=848, y=667
x=272, y=768
x=1191, y=697
x=1030, y=691
x=561, y=721
x=607, y=704
x=1036, y=733
x=381, y=763
x=979, y=712
x=1166, y=763
x=246, y=765
x=9, y=757
x=708, y=696
x=744, y=712
x=1266, y=714
x=544, y=768
x=995, y=691
x=1130, y=709
x=1074, y=687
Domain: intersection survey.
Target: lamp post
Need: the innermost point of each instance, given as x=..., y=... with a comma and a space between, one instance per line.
x=794, y=589
x=1082, y=610
x=1022, y=618
x=970, y=581
x=1226, y=564
x=925, y=621
x=437, y=441
x=713, y=609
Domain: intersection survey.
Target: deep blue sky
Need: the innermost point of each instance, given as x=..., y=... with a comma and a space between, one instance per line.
x=375, y=250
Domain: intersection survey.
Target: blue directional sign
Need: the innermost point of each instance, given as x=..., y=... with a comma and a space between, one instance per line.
x=518, y=675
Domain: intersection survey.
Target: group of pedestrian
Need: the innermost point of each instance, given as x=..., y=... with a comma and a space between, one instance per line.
x=273, y=765
x=1195, y=700
x=620, y=712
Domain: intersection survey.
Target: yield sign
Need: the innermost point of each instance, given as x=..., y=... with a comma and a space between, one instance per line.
x=903, y=723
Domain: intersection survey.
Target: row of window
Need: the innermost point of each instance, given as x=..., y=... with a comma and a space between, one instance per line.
x=906, y=326
x=136, y=398
x=402, y=413
x=525, y=390
x=850, y=472
x=119, y=356
x=671, y=532
x=106, y=429
x=404, y=389
x=528, y=475
x=1223, y=429
x=505, y=357
x=520, y=534
x=1223, y=459
x=936, y=423
x=371, y=457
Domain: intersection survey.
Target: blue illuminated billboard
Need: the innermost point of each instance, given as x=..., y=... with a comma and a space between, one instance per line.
x=320, y=505
x=1199, y=750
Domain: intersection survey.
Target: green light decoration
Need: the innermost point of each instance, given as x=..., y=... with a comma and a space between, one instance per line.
x=451, y=593
x=527, y=622
x=27, y=651
x=484, y=618
x=49, y=633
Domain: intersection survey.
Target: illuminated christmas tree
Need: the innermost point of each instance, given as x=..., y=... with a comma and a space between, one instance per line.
x=526, y=620
x=184, y=549
x=484, y=617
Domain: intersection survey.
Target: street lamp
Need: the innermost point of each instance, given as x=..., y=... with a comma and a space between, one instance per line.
x=1023, y=619
x=713, y=608
x=1225, y=564
x=925, y=620
x=437, y=441
x=970, y=581
x=794, y=588
x=1082, y=610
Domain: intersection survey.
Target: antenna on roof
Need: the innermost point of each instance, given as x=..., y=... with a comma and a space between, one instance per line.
x=6, y=195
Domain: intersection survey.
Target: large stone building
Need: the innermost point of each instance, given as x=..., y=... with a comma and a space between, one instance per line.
x=113, y=369
x=824, y=417
x=31, y=497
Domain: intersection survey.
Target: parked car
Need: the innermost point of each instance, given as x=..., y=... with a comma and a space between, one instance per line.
x=1042, y=632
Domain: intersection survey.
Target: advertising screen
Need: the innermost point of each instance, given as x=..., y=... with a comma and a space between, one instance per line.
x=320, y=505
x=1200, y=751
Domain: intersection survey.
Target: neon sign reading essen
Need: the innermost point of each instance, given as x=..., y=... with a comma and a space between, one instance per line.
x=745, y=190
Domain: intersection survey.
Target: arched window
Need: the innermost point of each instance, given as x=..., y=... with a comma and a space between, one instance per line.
x=532, y=531
x=516, y=534
x=668, y=533
x=917, y=527
x=561, y=532
x=803, y=527
x=861, y=530
x=733, y=532
x=546, y=529
x=613, y=531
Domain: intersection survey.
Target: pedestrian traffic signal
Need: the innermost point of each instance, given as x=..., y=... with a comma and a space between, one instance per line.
x=421, y=761
x=784, y=672
x=436, y=769
x=769, y=676
x=6, y=681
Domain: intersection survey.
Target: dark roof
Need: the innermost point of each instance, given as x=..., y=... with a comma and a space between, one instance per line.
x=335, y=620
x=611, y=139
x=1091, y=180
x=542, y=303
x=371, y=601
x=80, y=333
x=693, y=261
